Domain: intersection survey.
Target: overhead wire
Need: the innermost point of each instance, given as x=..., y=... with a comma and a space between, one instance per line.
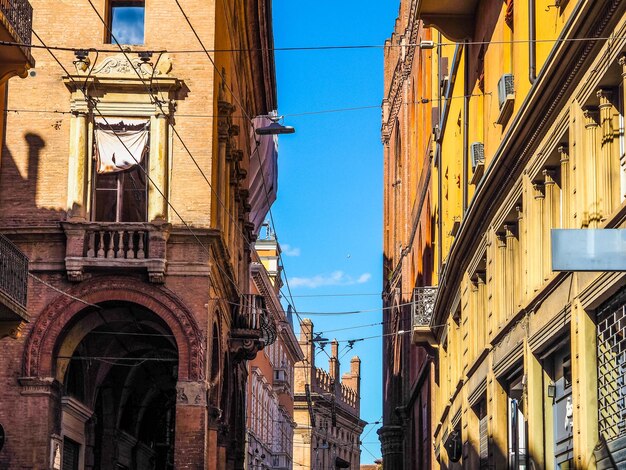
x=175, y=131
x=311, y=48
x=43, y=44
x=306, y=113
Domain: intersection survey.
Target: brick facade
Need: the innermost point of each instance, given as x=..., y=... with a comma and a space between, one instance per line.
x=120, y=358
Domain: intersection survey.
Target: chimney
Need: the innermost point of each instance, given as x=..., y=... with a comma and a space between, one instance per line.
x=306, y=341
x=304, y=371
x=353, y=379
x=333, y=362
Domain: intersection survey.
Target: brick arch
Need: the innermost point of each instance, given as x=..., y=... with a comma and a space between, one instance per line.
x=48, y=328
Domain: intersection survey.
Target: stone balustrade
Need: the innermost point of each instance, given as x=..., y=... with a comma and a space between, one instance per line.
x=95, y=246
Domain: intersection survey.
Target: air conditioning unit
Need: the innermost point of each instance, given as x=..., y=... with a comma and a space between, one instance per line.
x=506, y=96
x=477, y=154
x=506, y=89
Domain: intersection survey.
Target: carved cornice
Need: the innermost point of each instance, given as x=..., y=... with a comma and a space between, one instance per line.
x=391, y=439
x=401, y=72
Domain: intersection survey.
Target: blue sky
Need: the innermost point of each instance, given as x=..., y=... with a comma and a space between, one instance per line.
x=329, y=209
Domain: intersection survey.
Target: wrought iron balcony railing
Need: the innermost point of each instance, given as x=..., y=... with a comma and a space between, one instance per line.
x=19, y=14
x=253, y=327
x=423, y=305
x=13, y=276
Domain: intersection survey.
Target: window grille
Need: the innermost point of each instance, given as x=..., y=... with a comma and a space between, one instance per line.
x=612, y=368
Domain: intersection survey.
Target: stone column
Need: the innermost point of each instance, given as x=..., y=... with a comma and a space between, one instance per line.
x=589, y=169
x=392, y=443
x=190, y=447
x=77, y=167
x=158, y=171
x=565, y=215
x=39, y=428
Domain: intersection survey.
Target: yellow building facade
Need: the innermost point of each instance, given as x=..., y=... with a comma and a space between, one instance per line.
x=528, y=368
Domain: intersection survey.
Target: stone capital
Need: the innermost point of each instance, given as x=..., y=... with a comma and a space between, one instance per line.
x=591, y=117
x=391, y=439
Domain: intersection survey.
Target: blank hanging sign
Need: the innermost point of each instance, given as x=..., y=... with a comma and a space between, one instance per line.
x=588, y=249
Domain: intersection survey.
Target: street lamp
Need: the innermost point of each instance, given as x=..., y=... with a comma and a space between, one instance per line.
x=275, y=128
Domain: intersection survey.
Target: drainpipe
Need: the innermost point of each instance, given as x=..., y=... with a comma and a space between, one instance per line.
x=532, y=49
x=438, y=157
x=467, y=92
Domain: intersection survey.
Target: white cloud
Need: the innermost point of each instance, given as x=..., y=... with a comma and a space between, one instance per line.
x=288, y=250
x=336, y=278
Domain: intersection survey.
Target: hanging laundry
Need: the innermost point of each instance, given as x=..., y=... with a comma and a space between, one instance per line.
x=120, y=145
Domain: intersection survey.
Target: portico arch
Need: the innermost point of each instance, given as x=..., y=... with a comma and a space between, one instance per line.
x=50, y=333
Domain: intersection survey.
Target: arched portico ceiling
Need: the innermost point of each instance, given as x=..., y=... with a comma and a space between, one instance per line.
x=454, y=18
x=51, y=325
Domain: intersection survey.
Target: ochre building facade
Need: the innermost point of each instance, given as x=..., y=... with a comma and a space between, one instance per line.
x=270, y=419
x=326, y=408
x=408, y=244
x=526, y=368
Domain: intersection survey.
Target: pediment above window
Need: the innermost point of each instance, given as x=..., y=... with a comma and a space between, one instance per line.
x=124, y=71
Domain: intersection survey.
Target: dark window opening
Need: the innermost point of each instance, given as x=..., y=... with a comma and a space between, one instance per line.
x=71, y=452
x=122, y=196
x=126, y=22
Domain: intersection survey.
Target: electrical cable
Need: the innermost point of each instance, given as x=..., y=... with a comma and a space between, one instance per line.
x=306, y=113
x=308, y=48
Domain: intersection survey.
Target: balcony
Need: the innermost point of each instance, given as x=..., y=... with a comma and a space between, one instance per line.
x=13, y=287
x=454, y=18
x=253, y=328
x=282, y=382
x=422, y=308
x=16, y=24
x=110, y=246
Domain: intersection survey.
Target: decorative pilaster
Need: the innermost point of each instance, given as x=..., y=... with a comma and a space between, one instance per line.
x=480, y=314
x=589, y=168
x=608, y=166
x=550, y=219
x=501, y=288
x=535, y=398
x=512, y=285
x=538, y=240
x=77, y=167
x=622, y=161
x=523, y=252
x=157, y=203
x=566, y=189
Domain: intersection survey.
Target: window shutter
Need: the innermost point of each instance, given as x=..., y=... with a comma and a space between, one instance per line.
x=484, y=442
